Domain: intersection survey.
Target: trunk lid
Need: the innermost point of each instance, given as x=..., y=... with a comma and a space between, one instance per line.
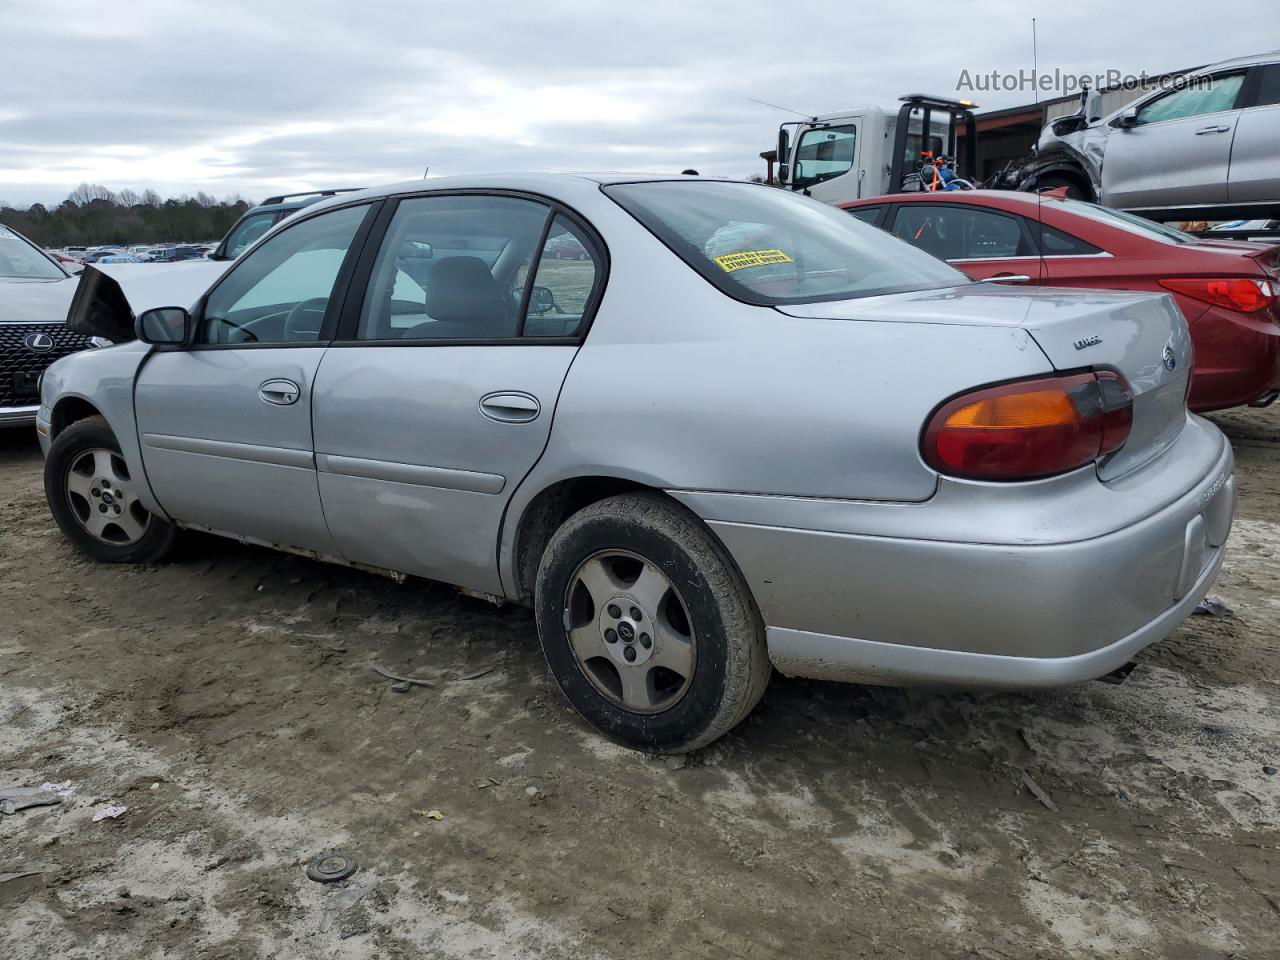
x=1143, y=336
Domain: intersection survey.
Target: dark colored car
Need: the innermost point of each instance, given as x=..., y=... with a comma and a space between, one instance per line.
x=174, y=254
x=1229, y=291
x=265, y=216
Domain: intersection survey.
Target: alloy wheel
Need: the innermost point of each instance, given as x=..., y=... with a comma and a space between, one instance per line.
x=630, y=631
x=103, y=500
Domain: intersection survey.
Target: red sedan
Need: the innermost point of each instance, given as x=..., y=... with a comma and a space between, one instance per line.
x=1228, y=291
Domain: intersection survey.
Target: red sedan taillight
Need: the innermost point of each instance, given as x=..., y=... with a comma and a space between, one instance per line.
x=1235, y=293
x=1030, y=428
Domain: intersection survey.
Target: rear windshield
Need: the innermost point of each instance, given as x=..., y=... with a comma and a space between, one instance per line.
x=19, y=259
x=769, y=246
x=1127, y=221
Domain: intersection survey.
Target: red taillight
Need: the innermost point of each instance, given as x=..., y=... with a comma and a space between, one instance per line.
x=1030, y=428
x=1235, y=293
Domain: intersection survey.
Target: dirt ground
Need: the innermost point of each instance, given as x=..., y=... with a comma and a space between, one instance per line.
x=228, y=701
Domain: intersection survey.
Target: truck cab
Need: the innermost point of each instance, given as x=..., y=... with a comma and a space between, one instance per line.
x=870, y=151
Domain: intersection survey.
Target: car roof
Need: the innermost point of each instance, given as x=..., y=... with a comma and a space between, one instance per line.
x=1012, y=198
x=551, y=184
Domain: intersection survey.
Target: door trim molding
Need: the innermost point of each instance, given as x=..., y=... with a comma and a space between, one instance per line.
x=444, y=478
x=280, y=456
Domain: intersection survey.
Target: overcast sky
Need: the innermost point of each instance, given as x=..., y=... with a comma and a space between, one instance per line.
x=250, y=97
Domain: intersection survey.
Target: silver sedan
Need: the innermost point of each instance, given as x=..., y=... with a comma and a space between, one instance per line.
x=742, y=431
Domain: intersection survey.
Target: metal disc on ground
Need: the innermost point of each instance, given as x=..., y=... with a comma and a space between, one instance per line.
x=330, y=867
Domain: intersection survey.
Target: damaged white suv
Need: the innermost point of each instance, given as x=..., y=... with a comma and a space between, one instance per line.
x=1202, y=146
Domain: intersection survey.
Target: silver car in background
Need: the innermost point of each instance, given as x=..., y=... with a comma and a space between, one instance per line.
x=1202, y=147
x=745, y=430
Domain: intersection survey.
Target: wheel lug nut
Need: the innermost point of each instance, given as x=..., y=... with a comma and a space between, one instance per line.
x=611, y=635
x=614, y=611
x=635, y=614
x=96, y=492
x=646, y=641
x=102, y=508
x=629, y=653
x=106, y=485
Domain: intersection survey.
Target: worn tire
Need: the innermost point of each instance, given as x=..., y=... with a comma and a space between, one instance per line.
x=93, y=432
x=732, y=664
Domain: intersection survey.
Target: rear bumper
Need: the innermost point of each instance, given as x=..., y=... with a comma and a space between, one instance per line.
x=1237, y=358
x=798, y=653
x=953, y=596
x=18, y=416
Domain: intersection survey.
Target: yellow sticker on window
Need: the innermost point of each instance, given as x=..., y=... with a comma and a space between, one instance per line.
x=751, y=258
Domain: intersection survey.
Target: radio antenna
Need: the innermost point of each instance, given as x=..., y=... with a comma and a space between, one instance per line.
x=766, y=103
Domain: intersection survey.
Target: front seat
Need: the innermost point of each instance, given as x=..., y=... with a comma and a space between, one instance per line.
x=464, y=300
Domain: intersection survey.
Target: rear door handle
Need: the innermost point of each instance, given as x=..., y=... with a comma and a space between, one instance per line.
x=510, y=406
x=279, y=392
x=1215, y=129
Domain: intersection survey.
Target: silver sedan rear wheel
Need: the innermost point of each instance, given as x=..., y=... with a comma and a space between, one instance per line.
x=103, y=500
x=630, y=631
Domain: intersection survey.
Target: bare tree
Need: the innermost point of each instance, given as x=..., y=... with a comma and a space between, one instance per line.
x=127, y=197
x=86, y=193
x=205, y=200
x=151, y=198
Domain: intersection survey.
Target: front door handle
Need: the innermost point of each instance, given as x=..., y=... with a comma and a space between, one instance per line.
x=279, y=392
x=1214, y=129
x=510, y=406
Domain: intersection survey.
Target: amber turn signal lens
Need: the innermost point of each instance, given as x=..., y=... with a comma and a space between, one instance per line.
x=1030, y=428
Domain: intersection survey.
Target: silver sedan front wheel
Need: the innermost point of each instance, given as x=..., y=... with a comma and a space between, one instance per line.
x=630, y=631
x=102, y=498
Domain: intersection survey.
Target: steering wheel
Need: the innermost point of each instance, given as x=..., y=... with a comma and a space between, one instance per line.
x=294, y=328
x=249, y=335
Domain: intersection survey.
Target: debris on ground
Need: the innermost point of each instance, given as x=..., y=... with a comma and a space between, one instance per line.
x=110, y=812
x=330, y=867
x=1213, y=606
x=64, y=789
x=1269, y=770
x=340, y=904
x=484, y=783
x=412, y=681
x=477, y=675
x=430, y=814
x=1038, y=792
x=9, y=877
x=13, y=799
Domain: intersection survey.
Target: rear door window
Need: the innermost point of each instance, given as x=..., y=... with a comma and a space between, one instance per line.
x=961, y=233
x=1268, y=86
x=565, y=282
x=1058, y=243
x=453, y=268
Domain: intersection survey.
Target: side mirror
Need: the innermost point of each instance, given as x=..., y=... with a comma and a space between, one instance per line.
x=541, y=300
x=783, y=154
x=164, y=326
x=1129, y=118
x=1092, y=106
